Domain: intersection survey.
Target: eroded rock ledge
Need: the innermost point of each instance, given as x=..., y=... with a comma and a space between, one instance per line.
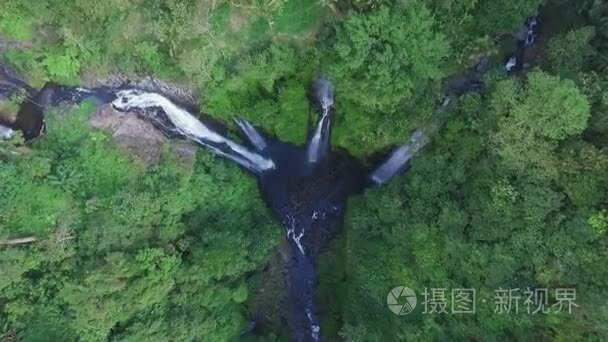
x=139, y=137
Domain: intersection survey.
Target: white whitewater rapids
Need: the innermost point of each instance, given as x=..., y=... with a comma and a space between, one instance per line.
x=160, y=109
x=190, y=127
x=291, y=234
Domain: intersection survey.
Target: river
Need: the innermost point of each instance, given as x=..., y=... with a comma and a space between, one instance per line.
x=306, y=187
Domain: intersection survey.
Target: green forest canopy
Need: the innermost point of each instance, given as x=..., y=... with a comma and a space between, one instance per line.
x=512, y=193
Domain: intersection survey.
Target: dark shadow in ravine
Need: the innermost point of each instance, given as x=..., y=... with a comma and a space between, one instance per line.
x=306, y=187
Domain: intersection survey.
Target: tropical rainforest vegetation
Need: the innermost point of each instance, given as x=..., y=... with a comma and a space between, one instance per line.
x=511, y=193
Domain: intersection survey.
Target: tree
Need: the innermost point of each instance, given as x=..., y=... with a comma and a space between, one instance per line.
x=512, y=192
x=121, y=251
x=387, y=55
x=534, y=118
x=496, y=17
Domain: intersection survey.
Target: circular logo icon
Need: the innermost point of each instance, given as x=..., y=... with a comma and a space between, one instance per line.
x=401, y=300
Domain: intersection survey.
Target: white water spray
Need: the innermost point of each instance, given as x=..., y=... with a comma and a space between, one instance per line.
x=291, y=234
x=318, y=145
x=314, y=328
x=398, y=159
x=190, y=127
x=252, y=134
x=6, y=133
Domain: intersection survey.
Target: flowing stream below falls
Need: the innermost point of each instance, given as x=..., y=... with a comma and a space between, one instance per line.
x=305, y=186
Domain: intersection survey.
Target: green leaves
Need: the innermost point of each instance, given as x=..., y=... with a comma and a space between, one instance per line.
x=62, y=65
x=599, y=223
x=553, y=107
x=511, y=192
x=496, y=17
x=121, y=248
x=568, y=52
x=121, y=286
x=387, y=53
x=15, y=21
x=533, y=119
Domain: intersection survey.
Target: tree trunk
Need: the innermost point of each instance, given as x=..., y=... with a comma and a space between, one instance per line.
x=18, y=241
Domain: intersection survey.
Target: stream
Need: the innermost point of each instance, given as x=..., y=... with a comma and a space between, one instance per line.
x=306, y=187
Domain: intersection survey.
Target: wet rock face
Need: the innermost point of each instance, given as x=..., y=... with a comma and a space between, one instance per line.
x=11, y=83
x=181, y=94
x=11, y=86
x=28, y=117
x=140, y=137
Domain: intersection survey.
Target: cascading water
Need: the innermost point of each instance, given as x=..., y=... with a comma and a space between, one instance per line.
x=187, y=125
x=306, y=186
x=278, y=167
x=319, y=144
x=256, y=139
x=5, y=132
x=398, y=159
x=526, y=37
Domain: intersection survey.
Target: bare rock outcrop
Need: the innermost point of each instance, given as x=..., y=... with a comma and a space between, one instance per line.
x=140, y=137
x=180, y=93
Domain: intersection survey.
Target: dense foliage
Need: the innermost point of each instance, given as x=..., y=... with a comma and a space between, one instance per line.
x=144, y=254
x=512, y=193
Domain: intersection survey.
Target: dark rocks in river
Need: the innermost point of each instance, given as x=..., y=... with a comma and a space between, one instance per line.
x=312, y=202
x=307, y=187
x=11, y=83
x=30, y=119
x=470, y=81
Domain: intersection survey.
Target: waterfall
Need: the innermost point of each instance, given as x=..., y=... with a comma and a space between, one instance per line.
x=319, y=144
x=395, y=163
x=5, y=132
x=511, y=63
x=398, y=159
x=190, y=127
x=530, y=26
x=254, y=137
